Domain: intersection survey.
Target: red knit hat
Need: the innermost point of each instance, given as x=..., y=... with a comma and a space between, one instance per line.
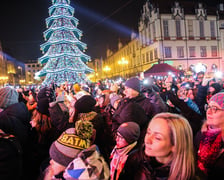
x=218, y=98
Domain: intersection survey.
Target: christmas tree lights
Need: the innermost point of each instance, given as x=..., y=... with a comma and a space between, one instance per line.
x=63, y=56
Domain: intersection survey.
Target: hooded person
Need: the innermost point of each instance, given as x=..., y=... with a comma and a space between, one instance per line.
x=14, y=120
x=126, y=140
x=70, y=143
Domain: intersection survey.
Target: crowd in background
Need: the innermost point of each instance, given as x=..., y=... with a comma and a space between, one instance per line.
x=170, y=128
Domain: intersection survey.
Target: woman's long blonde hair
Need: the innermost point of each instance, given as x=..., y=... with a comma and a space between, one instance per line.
x=182, y=164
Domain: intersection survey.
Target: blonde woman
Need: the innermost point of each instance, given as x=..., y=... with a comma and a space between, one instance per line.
x=167, y=153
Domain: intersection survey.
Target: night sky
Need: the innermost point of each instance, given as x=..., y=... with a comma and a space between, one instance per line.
x=103, y=22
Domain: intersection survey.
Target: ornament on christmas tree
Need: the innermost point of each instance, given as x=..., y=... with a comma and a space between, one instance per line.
x=63, y=57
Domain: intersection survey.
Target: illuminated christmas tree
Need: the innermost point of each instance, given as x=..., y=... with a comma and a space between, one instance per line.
x=63, y=57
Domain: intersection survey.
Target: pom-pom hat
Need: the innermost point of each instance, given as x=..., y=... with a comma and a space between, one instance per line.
x=71, y=142
x=85, y=104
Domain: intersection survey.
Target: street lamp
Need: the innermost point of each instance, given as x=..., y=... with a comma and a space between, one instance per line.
x=106, y=69
x=123, y=62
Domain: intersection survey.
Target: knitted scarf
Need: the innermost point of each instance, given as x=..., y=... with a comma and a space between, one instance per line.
x=119, y=158
x=209, y=149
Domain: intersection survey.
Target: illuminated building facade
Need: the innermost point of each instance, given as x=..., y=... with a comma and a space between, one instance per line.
x=182, y=34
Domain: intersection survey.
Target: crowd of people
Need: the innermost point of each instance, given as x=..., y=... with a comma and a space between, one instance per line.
x=171, y=128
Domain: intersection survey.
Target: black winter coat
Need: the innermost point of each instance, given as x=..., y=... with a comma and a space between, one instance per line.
x=127, y=111
x=150, y=108
x=15, y=120
x=140, y=167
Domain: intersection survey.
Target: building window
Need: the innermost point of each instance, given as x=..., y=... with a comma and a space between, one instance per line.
x=190, y=28
x=201, y=27
x=143, y=58
x=178, y=28
x=154, y=30
x=192, y=51
x=180, y=52
x=214, y=51
x=203, y=51
x=155, y=53
x=168, y=53
x=147, y=57
x=151, y=55
x=212, y=28
x=165, y=28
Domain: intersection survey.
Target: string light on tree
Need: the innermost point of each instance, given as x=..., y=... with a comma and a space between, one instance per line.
x=63, y=57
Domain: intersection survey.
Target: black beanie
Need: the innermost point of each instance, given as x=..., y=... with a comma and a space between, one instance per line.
x=130, y=131
x=217, y=87
x=85, y=104
x=133, y=83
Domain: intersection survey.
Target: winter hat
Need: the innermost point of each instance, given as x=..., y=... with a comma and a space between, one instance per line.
x=89, y=164
x=133, y=83
x=217, y=87
x=85, y=104
x=114, y=99
x=76, y=87
x=8, y=96
x=44, y=97
x=218, y=98
x=71, y=142
x=130, y=131
x=46, y=92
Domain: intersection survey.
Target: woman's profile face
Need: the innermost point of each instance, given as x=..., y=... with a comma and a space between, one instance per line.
x=158, y=142
x=215, y=115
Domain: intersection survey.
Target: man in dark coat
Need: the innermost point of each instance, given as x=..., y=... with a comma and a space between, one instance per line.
x=133, y=92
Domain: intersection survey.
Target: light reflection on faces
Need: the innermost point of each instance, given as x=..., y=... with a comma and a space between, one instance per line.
x=157, y=140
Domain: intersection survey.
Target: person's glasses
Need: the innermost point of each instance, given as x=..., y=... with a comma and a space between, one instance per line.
x=214, y=109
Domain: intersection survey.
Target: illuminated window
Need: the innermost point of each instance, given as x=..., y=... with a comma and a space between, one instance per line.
x=180, y=52
x=203, y=51
x=192, y=51
x=155, y=53
x=168, y=53
x=214, y=51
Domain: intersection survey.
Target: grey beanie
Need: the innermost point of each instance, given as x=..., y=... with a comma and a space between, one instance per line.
x=130, y=131
x=133, y=83
x=8, y=96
